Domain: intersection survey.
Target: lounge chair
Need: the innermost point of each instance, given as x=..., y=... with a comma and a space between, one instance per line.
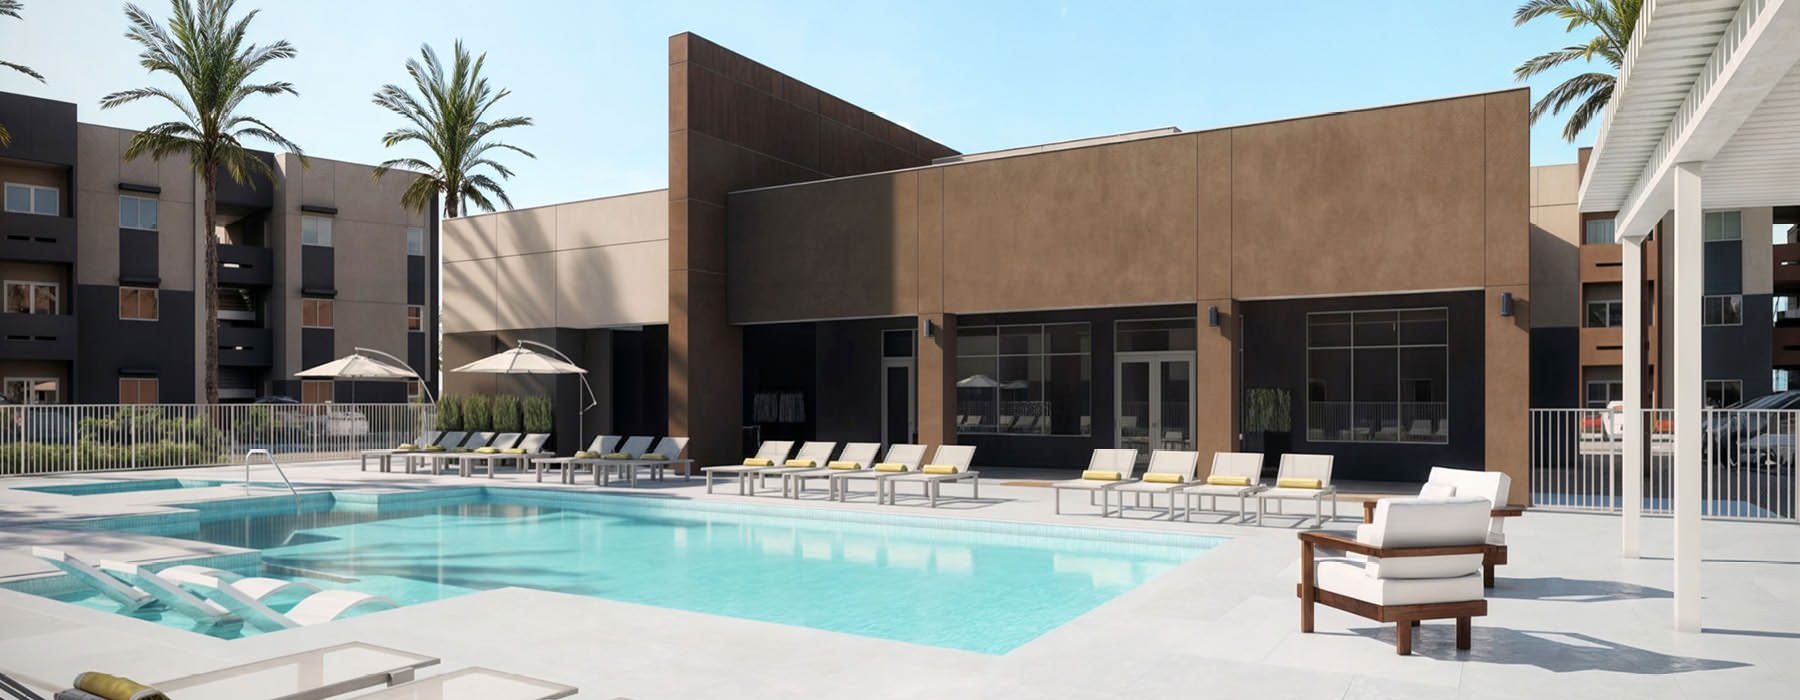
x=1233, y=475
x=856, y=455
x=519, y=453
x=1169, y=471
x=320, y=607
x=309, y=675
x=900, y=460
x=445, y=442
x=589, y=457
x=482, y=455
x=667, y=452
x=1107, y=469
x=949, y=463
x=769, y=455
x=1419, y=560
x=813, y=454
x=130, y=599
x=1301, y=478
x=381, y=456
x=268, y=591
x=438, y=460
x=1494, y=486
x=634, y=447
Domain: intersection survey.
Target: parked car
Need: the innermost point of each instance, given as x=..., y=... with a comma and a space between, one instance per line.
x=41, y=425
x=1769, y=450
x=1729, y=432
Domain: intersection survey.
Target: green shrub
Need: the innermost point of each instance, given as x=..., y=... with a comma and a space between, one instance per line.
x=476, y=416
x=449, y=413
x=539, y=416
x=1267, y=410
x=506, y=414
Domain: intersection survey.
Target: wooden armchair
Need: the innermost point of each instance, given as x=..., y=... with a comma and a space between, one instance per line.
x=1445, y=482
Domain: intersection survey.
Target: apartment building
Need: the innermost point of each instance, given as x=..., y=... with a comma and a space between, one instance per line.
x=101, y=260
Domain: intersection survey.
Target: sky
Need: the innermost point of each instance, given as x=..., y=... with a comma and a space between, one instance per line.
x=974, y=75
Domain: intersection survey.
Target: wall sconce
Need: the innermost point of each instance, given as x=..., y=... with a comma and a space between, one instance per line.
x=931, y=329
x=1212, y=317
x=1506, y=304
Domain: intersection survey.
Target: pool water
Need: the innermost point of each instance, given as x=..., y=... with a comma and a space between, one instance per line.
x=95, y=488
x=982, y=587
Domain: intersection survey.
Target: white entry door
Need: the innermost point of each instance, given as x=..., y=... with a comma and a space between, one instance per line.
x=1155, y=402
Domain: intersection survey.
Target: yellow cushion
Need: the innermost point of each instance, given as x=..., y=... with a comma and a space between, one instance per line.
x=845, y=465
x=890, y=467
x=1163, y=478
x=759, y=462
x=800, y=463
x=652, y=456
x=115, y=687
x=513, y=451
x=939, y=469
x=584, y=454
x=1228, y=480
x=615, y=455
x=434, y=448
x=1100, y=475
x=1300, y=483
x=406, y=446
x=487, y=450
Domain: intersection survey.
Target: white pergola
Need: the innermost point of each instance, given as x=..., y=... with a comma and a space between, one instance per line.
x=1705, y=115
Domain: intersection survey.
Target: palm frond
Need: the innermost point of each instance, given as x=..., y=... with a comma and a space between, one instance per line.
x=445, y=110
x=23, y=69
x=5, y=136
x=11, y=8
x=1613, y=22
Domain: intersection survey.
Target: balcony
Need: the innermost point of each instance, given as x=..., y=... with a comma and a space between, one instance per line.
x=1787, y=267
x=1601, y=263
x=246, y=347
x=36, y=238
x=246, y=265
x=1602, y=346
x=1786, y=340
x=37, y=336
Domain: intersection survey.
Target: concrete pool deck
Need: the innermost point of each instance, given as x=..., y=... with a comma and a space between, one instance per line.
x=1569, y=618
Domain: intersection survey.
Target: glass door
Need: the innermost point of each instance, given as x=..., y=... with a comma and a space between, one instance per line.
x=1155, y=402
x=897, y=401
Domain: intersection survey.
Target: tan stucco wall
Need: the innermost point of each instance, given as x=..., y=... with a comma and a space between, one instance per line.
x=1555, y=247
x=100, y=167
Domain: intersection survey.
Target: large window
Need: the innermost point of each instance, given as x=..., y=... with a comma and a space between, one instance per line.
x=137, y=390
x=137, y=303
x=1722, y=310
x=1724, y=392
x=137, y=213
x=31, y=297
x=1723, y=226
x=33, y=199
x=1378, y=376
x=315, y=313
x=415, y=240
x=1601, y=393
x=31, y=390
x=1024, y=380
x=315, y=230
x=1605, y=314
x=1599, y=231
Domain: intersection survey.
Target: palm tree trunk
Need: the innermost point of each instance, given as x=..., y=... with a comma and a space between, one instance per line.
x=450, y=206
x=210, y=287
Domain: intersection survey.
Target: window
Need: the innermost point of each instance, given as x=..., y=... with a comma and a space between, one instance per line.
x=415, y=390
x=315, y=392
x=137, y=303
x=1605, y=314
x=31, y=297
x=137, y=390
x=415, y=318
x=315, y=313
x=1378, y=376
x=1724, y=392
x=315, y=230
x=1604, y=392
x=1722, y=310
x=1723, y=226
x=33, y=199
x=137, y=213
x=1027, y=380
x=415, y=240
x=1599, y=231
x=30, y=390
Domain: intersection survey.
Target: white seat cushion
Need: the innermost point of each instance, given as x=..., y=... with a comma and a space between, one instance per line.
x=1349, y=578
x=1306, y=494
x=1151, y=486
x=1206, y=489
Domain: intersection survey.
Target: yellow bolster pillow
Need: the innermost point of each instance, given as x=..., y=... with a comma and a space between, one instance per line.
x=890, y=467
x=513, y=451
x=759, y=462
x=615, y=455
x=1098, y=475
x=584, y=454
x=115, y=687
x=487, y=450
x=845, y=465
x=800, y=463
x=1228, y=480
x=1163, y=478
x=939, y=469
x=434, y=448
x=1300, y=483
x=407, y=446
x=652, y=456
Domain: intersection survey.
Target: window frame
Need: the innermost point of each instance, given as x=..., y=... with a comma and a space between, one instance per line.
x=138, y=384
x=1707, y=386
x=1707, y=300
x=316, y=305
x=1043, y=357
x=156, y=303
x=1706, y=230
x=155, y=207
x=415, y=318
x=410, y=240
x=308, y=386
x=315, y=219
x=1587, y=237
x=31, y=198
x=29, y=397
x=1437, y=437
x=1616, y=387
x=55, y=296
x=1619, y=313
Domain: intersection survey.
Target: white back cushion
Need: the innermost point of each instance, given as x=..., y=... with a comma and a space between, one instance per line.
x=1173, y=462
x=1299, y=466
x=1123, y=461
x=958, y=456
x=862, y=453
x=1246, y=464
x=1427, y=522
x=1469, y=482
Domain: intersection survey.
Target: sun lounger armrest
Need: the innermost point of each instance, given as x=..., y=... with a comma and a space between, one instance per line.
x=389, y=666
x=1339, y=542
x=1507, y=512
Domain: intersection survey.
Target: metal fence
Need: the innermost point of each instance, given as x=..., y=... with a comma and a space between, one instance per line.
x=1747, y=462
x=43, y=439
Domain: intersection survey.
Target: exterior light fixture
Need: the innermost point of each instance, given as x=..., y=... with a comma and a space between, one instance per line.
x=1506, y=304
x=931, y=329
x=1212, y=317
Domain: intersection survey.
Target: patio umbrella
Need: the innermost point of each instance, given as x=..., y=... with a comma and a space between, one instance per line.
x=524, y=360
x=977, y=381
x=359, y=366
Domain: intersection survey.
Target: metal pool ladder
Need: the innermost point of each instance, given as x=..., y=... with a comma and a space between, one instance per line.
x=277, y=465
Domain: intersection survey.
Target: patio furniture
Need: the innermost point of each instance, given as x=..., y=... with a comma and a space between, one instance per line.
x=474, y=683
x=666, y=452
x=1419, y=560
x=634, y=447
x=602, y=444
x=900, y=460
x=445, y=442
x=1301, y=478
x=436, y=460
x=532, y=445
x=1169, y=471
x=466, y=461
x=1233, y=475
x=1494, y=486
x=1107, y=469
x=768, y=455
x=323, y=606
x=381, y=456
x=856, y=455
x=812, y=455
x=950, y=463
x=264, y=590
x=309, y=675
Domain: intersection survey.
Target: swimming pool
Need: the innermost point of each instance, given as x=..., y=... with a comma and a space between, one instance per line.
x=971, y=585
x=95, y=488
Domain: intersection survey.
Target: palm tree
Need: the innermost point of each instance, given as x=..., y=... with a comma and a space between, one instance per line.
x=1614, y=20
x=207, y=53
x=10, y=8
x=448, y=116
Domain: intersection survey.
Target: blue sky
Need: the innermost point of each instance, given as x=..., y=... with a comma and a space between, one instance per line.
x=973, y=75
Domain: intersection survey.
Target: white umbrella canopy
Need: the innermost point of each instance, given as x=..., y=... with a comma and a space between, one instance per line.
x=977, y=381
x=521, y=360
x=356, y=367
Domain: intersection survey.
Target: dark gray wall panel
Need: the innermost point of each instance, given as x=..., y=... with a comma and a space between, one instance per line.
x=1724, y=267
x=164, y=346
x=318, y=268
x=42, y=130
x=1556, y=367
x=138, y=257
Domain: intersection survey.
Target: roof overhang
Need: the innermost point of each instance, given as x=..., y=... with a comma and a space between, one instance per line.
x=1704, y=81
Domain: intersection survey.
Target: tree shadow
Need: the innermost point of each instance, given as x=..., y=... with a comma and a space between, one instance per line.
x=1558, y=652
x=1572, y=590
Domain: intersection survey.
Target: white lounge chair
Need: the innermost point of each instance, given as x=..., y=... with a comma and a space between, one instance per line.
x=1301, y=478
x=320, y=607
x=1445, y=482
x=769, y=455
x=519, y=453
x=813, y=454
x=381, y=456
x=1169, y=471
x=1233, y=475
x=1107, y=469
x=1419, y=560
x=130, y=599
x=436, y=461
x=601, y=444
x=856, y=455
x=412, y=458
x=665, y=453
x=949, y=463
x=465, y=461
x=900, y=460
x=309, y=675
x=632, y=448
x=268, y=591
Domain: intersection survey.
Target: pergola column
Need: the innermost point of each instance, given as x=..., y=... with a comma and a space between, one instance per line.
x=1688, y=255
x=1631, y=492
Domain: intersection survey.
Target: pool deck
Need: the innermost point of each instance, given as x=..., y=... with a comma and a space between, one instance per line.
x=1569, y=618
